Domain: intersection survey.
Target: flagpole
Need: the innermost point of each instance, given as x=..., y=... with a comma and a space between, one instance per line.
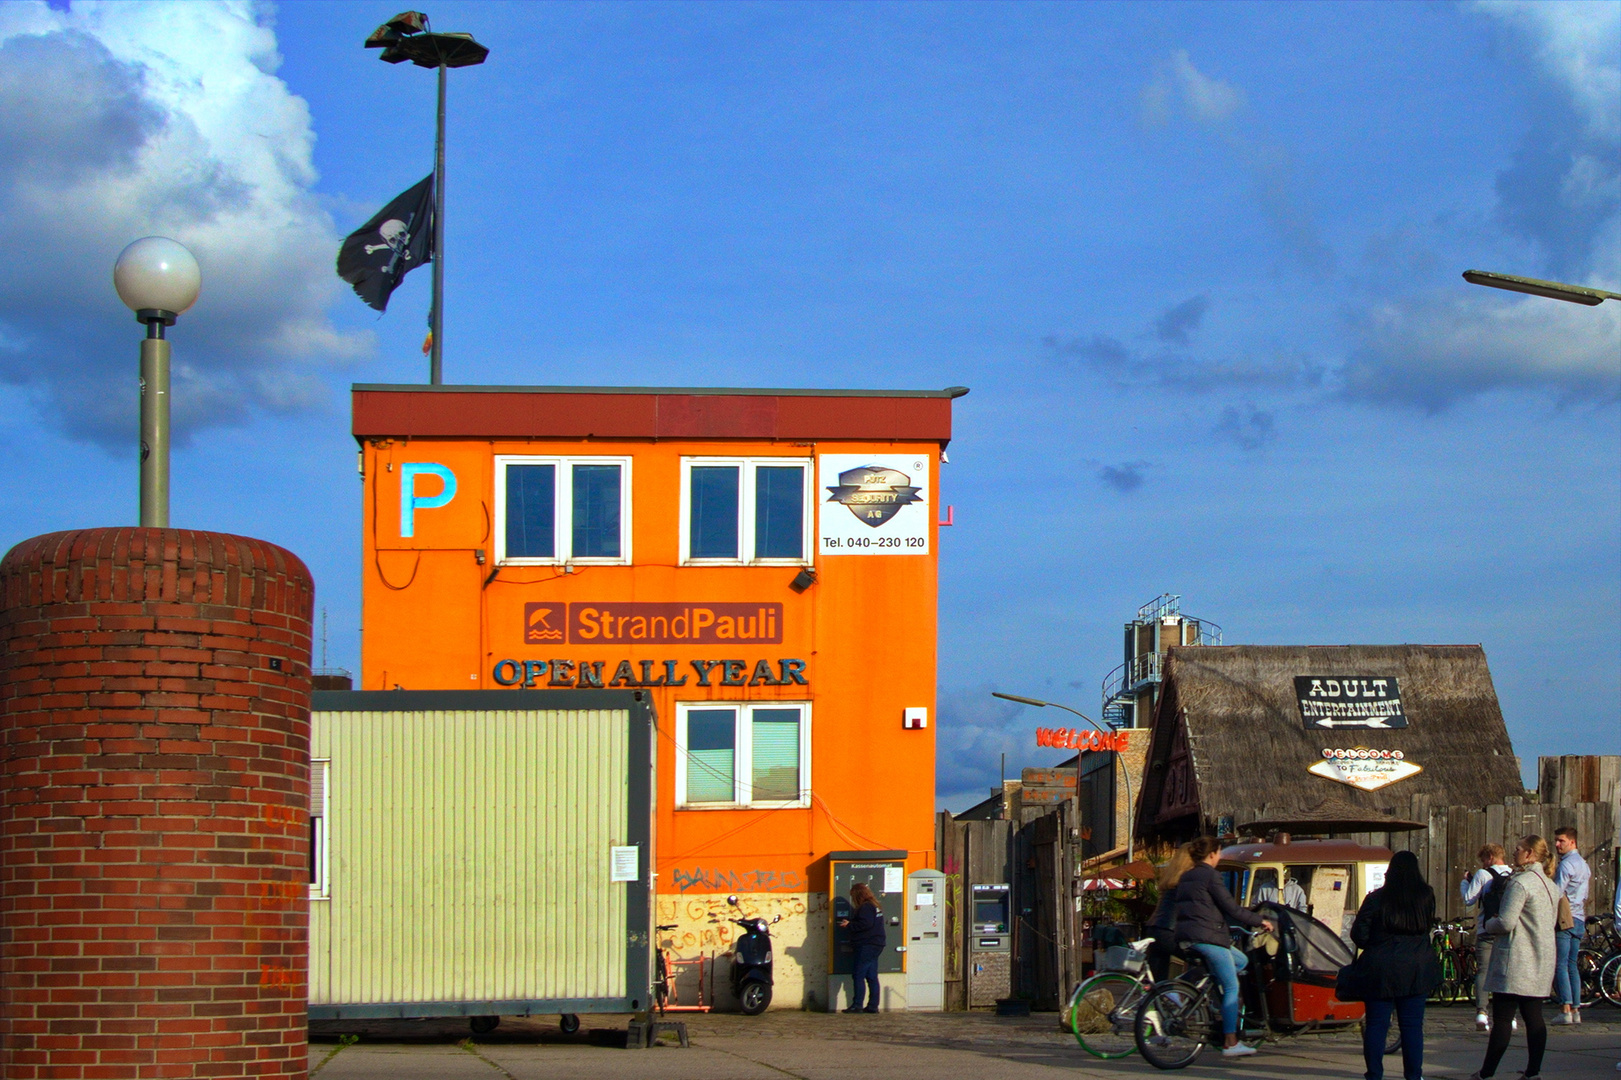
x=435, y=363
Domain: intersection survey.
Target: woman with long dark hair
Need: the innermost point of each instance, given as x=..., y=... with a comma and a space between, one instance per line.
x=1520, y=974
x=866, y=926
x=1204, y=908
x=1393, y=930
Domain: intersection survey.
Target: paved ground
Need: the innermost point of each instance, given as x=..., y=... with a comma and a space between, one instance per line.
x=916, y=1046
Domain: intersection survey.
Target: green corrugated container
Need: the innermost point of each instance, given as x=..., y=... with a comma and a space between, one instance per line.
x=480, y=852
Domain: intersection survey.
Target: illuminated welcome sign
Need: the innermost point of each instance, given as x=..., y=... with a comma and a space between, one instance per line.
x=1082, y=739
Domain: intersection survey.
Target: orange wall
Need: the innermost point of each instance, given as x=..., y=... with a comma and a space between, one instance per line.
x=866, y=632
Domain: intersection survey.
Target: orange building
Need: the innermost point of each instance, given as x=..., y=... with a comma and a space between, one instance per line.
x=764, y=562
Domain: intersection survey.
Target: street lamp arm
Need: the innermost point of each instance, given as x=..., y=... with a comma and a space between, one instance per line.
x=1125, y=770
x=1554, y=290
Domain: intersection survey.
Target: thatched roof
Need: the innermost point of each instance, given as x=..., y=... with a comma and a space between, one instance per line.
x=1229, y=737
x=1334, y=814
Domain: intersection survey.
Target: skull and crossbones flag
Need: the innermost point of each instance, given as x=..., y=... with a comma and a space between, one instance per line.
x=378, y=255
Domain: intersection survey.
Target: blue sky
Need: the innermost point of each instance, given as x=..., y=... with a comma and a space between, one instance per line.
x=1198, y=262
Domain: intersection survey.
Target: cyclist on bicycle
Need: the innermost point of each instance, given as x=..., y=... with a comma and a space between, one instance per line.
x=1204, y=910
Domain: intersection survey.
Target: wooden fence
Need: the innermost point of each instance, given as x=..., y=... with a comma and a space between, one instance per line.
x=1447, y=848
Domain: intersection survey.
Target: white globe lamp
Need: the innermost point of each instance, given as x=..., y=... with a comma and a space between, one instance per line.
x=159, y=280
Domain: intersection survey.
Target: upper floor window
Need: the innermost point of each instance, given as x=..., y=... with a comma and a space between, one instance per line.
x=550, y=509
x=745, y=510
x=733, y=754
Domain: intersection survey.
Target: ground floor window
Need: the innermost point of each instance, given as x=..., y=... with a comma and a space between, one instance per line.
x=733, y=754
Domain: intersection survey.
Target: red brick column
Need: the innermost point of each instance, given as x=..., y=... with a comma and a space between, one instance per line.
x=154, y=796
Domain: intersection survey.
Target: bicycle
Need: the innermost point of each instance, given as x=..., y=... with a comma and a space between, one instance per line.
x=1101, y=1012
x=1609, y=979
x=666, y=997
x=1179, y=1016
x=1455, y=952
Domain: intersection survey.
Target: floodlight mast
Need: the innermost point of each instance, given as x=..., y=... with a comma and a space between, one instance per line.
x=408, y=36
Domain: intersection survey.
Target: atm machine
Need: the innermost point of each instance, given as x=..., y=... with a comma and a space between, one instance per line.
x=885, y=873
x=990, y=944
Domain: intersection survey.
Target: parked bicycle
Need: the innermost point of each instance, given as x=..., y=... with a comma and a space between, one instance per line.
x=1102, y=1010
x=1454, y=947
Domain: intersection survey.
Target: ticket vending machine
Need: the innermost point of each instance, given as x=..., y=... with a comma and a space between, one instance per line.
x=926, y=941
x=990, y=944
x=884, y=872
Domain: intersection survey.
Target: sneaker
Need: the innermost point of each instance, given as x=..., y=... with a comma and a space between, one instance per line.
x=1514, y=1024
x=1576, y=1015
x=1237, y=1050
x=1564, y=1018
x=1482, y=1022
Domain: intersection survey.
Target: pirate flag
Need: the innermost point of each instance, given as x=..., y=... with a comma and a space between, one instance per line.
x=378, y=255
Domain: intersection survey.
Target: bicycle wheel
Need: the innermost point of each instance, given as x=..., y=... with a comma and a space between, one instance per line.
x=1609, y=979
x=1173, y=1023
x=661, y=983
x=1104, y=1014
x=1588, y=963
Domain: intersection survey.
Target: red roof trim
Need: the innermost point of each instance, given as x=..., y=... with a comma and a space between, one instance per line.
x=579, y=413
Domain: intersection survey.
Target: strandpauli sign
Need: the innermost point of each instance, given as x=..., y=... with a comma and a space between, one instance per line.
x=589, y=674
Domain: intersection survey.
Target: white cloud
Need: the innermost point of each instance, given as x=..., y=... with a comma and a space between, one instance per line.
x=1179, y=83
x=1578, y=42
x=121, y=120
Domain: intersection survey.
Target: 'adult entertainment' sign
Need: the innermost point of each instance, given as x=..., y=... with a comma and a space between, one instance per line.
x=1355, y=701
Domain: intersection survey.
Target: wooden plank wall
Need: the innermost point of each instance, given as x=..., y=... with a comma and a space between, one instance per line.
x=968, y=852
x=1447, y=848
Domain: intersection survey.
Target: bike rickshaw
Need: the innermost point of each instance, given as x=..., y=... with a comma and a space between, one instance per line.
x=1287, y=989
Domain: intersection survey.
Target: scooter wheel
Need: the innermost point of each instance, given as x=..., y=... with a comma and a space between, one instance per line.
x=755, y=997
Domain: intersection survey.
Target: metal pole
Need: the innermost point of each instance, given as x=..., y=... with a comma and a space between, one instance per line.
x=1125, y=772
x=435, y=359
x=154, y=428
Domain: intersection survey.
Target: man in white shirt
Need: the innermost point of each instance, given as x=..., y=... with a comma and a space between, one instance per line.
x=1572, y=877
x=1293, y=895
x=1485, y=888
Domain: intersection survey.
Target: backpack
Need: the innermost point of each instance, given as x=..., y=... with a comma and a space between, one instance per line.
x=1491, y=901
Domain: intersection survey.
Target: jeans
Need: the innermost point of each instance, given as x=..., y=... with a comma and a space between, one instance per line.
x=1504, y=1006
x=1483, y=959
x=1567, y=981
x=865, y=977
x=1225, y=962
x=1409, y=1012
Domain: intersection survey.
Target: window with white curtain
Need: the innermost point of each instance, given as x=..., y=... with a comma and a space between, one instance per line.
x=742, y=754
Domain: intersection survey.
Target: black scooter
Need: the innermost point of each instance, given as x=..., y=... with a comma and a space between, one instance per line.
x=751, y=963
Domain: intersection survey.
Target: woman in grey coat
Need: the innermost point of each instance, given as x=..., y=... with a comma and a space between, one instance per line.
x=1520, y=974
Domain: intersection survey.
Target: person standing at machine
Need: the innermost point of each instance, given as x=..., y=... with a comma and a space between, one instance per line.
x=1572, y=877
x=866, y=926
x=1204, y=908
x=1392, y=929
x=1485, y=888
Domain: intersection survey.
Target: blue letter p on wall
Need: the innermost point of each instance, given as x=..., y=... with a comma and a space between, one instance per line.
x=410, y=500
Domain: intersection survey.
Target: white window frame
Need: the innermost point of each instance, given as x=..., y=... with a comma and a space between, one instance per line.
x=745, y=510
x=562, y=510
x=743, y=759
x=321, y=887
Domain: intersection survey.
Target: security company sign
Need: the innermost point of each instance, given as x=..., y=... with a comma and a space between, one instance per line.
x=1366, y=769
x=1349, y=701
x=873, y=504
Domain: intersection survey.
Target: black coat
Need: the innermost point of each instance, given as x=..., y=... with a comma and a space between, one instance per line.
x=867, y=927
x=1204, y=908
x=1392, y=965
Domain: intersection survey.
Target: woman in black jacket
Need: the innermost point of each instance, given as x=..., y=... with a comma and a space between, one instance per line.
x=1398, y=966
x=866, y=926
x=1204, y=908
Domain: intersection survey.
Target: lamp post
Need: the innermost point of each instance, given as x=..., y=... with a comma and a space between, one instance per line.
x=1125, y=771
x=1555, y=290
x=158, y=279
x=408, y=36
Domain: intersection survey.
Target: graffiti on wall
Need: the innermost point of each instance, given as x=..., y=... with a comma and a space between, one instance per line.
x=739, y=881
